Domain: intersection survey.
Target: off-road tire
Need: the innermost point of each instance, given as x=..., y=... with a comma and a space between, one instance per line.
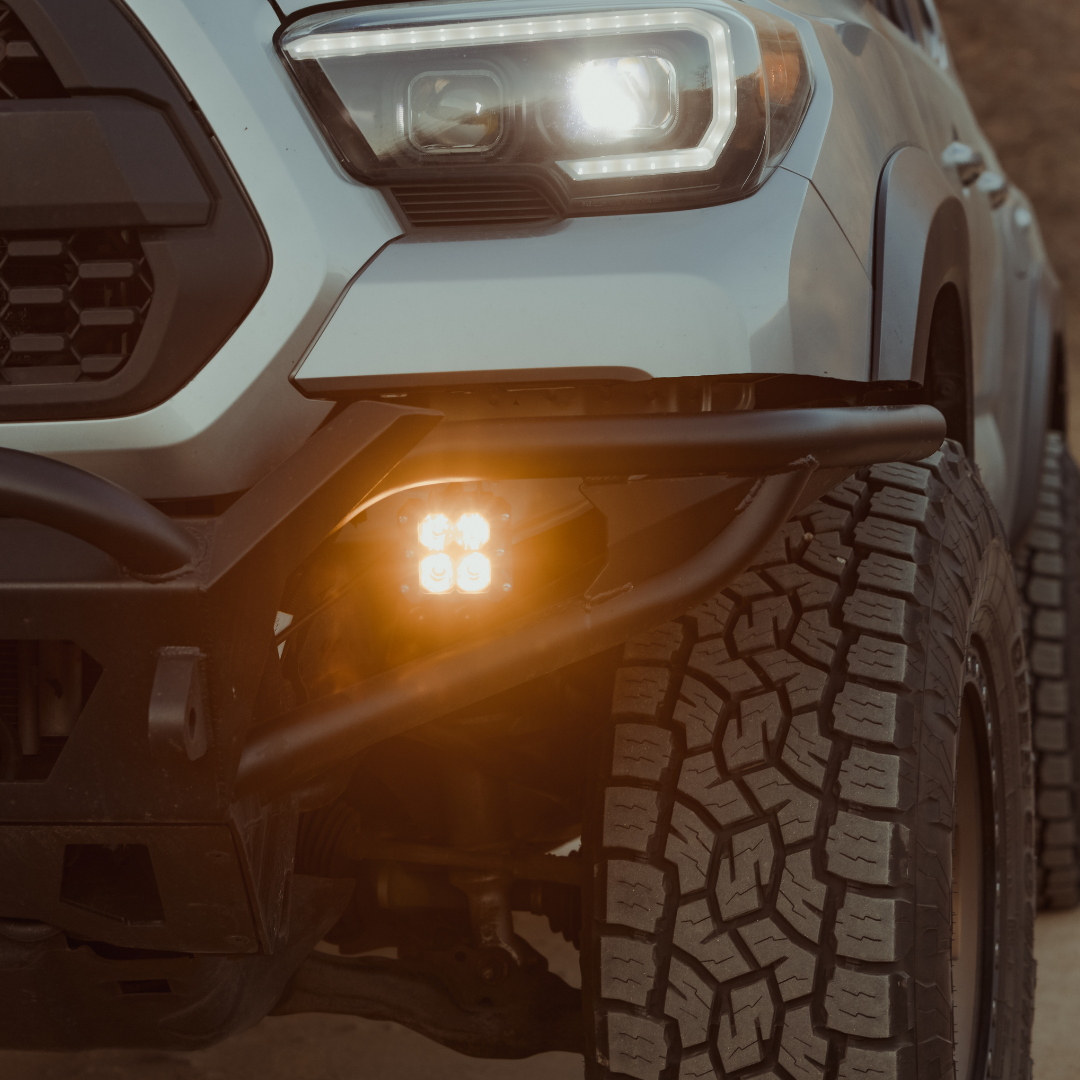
x=1049, y=580
x=771, y=828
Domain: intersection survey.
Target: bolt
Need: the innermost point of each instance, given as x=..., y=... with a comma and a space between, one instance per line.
x=410, y=554
x=506, y=587
x=402, y=520
x=492, y=966
x=506, y=517
x=404, y=588
x=500, y=552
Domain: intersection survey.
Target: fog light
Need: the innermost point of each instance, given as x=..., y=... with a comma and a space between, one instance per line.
x=455, y=541
x=474, y=573
x=437, y=573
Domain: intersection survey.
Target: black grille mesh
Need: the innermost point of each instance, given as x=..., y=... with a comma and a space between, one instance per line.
x=24, y=72
x=71, y=304
x=503, y=204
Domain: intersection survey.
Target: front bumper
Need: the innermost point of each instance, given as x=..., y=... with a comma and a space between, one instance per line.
x=175, y=751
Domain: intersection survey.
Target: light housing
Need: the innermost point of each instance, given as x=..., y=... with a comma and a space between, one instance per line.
x=599, y=108
x=455, y=543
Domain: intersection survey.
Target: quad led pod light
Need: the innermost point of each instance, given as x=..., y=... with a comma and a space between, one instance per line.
x=456, y=543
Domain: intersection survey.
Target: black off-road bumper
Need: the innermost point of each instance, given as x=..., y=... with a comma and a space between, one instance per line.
x=149, y=848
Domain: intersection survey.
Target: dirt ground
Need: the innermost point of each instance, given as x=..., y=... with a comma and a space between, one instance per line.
x=1020, y=63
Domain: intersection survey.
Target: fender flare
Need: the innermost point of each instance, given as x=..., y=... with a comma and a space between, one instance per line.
x=920, y=245
x=1045, y=376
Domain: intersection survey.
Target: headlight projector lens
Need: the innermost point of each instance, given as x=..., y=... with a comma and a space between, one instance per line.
x=627, y=95
x=455, y=112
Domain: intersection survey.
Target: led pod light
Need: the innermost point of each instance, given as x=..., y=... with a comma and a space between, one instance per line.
x=456, y=544
x=605, y=108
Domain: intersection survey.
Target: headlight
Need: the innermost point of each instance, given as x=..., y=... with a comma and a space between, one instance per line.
x=456, y=542
x=599, y=109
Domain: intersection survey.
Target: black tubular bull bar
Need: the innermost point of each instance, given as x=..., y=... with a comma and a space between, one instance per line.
x=373, y=450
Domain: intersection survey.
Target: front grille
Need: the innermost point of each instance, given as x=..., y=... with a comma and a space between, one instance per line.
x=24, y=72
x=71, y=304
x=503, y=204
x=75, y=291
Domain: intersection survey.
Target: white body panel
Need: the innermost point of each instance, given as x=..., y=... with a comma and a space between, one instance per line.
x=746, y=287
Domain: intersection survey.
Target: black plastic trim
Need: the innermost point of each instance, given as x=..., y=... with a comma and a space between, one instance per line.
x=63, y=497
x=920, y=245
x=336, y=384
x=206, y=277
x=94, y=162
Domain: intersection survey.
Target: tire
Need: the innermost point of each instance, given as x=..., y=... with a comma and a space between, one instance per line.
x=1049, y=581
x=778, y=797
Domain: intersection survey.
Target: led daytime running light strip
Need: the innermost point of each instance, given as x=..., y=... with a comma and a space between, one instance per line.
x=509, y=31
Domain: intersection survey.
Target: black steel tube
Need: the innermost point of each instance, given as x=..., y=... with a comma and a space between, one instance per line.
x=289, y=749
x=737, y=444
x=117, y=522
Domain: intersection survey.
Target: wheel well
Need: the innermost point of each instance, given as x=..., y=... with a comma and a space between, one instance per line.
x=946, y=384
x=1059, y=412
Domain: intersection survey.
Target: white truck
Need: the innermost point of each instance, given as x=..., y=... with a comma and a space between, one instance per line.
x=562, y=456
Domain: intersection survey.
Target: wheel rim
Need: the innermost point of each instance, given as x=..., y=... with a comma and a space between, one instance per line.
x=974, y=948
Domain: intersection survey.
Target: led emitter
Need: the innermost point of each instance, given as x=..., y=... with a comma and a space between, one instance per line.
x=434, y=531
x=474, y=573
x=473, y=531
x=437, y=573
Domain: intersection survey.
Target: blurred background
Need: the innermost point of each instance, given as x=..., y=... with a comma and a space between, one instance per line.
x=1020, y=63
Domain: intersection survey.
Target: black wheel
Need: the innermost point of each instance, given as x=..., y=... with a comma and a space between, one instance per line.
x=813, y=824
x=1049, y=580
